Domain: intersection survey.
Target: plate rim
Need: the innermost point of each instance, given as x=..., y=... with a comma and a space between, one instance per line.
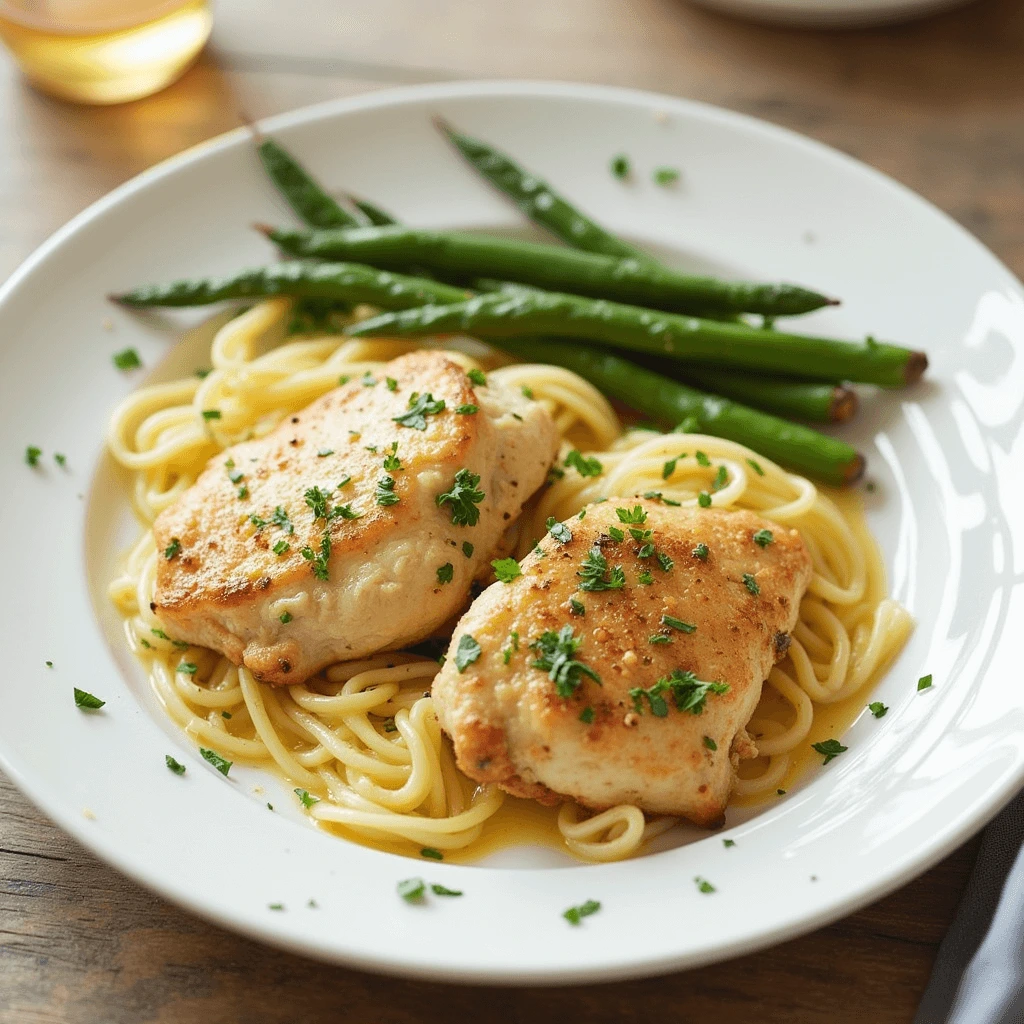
x=935, y=848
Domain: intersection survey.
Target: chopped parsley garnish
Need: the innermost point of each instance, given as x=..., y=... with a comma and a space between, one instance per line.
x=445, y=573
x=467, y=549
x=320, y=560
x=324, y=452
x=527, y=392
x=703, y=460
x=345, y=512
x=688, y=693
x=202, y=372
x=344, y=379
x=305, y=799
x=392, y=463
x=506, y=569
x=924, y=683
x=673, y=623
x=285, y=617
x=128, y=359
x=49, y=664
x=258, y=521
x=86, y=701
x=710, y=743
x=555, y=656
x=703, y=885
x=587, y=716
x=176, y=766
x=704, y=499
x=412, y=890
x=61, y=459
x=188, y=668
x=369, y=381
x=763, y=538
x=636, y=514
x=558, y=530
x=751, y=584
x=463, y=498
x=440, y=890
x=829, y=749
x=877, y=708
x=576, y=607
x=429, y=851
x=243, y=491
x=644, y=577
x=755, y=466
x=668, y=469
x=659, y=638
x=666, y=176
x=391, y=383
x=222, y=764
x=728, y=843
x=665, y=562
x=280, y=518
x=385, y=492
x=615, y=533
x=511, y=647
x=574, y=915
x=281, y=547
x=420, y=407
x=172, y=549
x=275, y=906
x=721, y=479
x=211, y=414
x=32, y=454
x=658, y=496
x=596, y=575
x=467, y=651
x=468, y=409
x=344, y=482
x=583, y=514
x=554, y=473
x=477, y=377
x=620, y=166
x=585, y=466
x=701, y=551
x=317, y=499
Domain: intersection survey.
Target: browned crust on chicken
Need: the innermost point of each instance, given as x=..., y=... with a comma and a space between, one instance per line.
x=508, y=724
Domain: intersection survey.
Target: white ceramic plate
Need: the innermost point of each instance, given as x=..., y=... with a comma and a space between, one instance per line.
x=753, y=200
x=830, y=13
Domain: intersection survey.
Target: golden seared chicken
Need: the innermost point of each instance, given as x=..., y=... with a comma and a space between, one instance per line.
x=355, y=526
x=624, y=663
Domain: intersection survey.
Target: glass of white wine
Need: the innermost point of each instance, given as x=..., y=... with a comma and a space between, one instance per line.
x=104, y=51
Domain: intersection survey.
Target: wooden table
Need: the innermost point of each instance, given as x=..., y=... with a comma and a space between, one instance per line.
x=937, y=104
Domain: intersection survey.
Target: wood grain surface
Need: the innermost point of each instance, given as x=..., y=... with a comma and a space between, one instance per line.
x=938, y=104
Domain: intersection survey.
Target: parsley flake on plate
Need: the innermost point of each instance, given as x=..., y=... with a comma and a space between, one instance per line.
x=620, y=166
x=728, y=843
x=86, y=701
x=477, y=377
x=222, y=764
x=176, y=766
x=305, y=798
x=440, y=890
x=429, y=851
x=877, y=708
x=924, y=683
x=412, y=890
x=127, y=359
x=665, y=176
x=574, y=915
x=703, y=885
x=32, y=454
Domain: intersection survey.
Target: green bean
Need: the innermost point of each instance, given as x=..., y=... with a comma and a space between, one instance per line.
x=817, y=401
x=307, y=198
x=689, y=339
x=374, y=214
x=537, y=199
x=348, y=282
x=545, y=266
x=796, y=447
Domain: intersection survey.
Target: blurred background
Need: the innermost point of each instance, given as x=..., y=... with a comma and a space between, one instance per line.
x=937, y=103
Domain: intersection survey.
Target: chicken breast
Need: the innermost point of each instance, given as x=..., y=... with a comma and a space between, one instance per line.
x=357, y=525
x=625, y=661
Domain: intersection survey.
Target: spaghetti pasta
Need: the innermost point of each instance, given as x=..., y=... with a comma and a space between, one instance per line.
x=361, y=739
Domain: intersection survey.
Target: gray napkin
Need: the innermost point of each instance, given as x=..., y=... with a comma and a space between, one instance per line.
x=978, y=977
